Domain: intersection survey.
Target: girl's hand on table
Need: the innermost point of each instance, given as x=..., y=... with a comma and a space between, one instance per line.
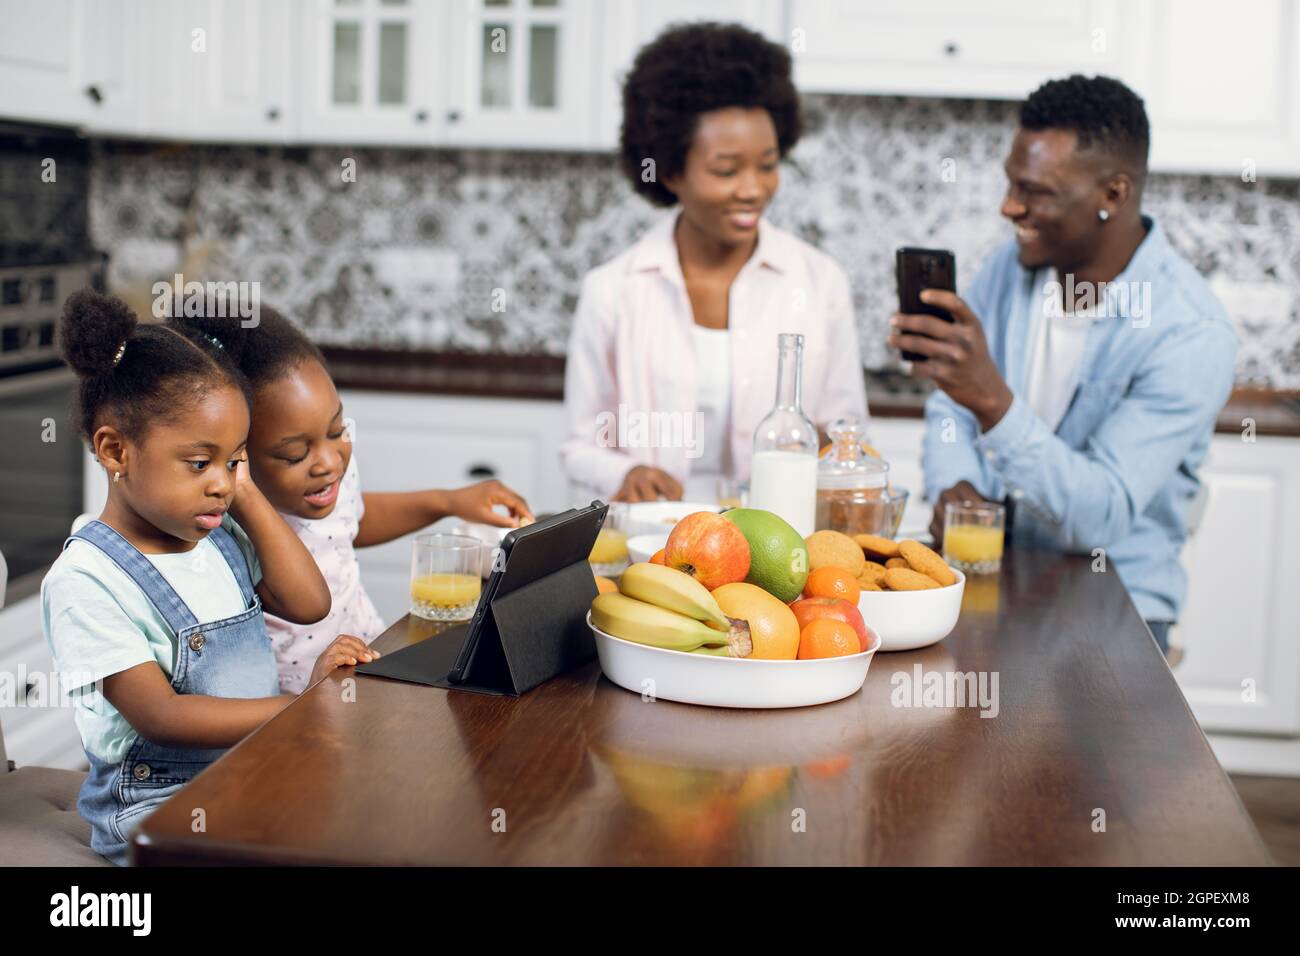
x=477, y=503
x=346, y=651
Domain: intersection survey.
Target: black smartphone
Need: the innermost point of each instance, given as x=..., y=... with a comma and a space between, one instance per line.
x=918, y=269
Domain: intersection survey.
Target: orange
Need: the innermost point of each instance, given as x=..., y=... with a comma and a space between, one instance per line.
x=605, y=585
x=772, y=625
x=658, y=557
x=828, y=638
x=833, y=582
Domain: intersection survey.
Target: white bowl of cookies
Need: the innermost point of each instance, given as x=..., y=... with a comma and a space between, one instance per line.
x=909, y=595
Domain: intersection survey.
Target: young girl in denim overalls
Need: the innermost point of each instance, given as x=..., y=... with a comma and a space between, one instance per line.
x=154, y=610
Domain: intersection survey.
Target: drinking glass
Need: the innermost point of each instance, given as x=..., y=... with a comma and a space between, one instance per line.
x=973, y=535
x=446, y=577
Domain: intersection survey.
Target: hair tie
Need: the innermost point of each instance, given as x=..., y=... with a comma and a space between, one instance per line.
x=121, y=350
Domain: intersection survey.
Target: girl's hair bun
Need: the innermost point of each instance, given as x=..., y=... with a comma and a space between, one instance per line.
x=92, y=330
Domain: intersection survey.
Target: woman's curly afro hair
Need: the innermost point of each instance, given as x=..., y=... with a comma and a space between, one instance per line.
x=691, y=69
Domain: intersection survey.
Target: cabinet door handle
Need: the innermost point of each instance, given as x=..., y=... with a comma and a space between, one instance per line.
x=453, y=116
x=480, y=472
x=273, y=114
x=93, y=92
x=951, y=49
x=421, y=116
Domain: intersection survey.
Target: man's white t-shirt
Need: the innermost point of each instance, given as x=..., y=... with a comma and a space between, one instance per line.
x=1056, y=354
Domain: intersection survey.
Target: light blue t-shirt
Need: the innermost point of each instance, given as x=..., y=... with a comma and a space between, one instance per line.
x=98, y=622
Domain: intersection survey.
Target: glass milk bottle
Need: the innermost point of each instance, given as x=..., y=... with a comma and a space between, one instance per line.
x=783, y=476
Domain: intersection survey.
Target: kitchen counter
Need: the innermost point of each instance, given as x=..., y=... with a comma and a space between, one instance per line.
x=1092, y=758
x=890, y=393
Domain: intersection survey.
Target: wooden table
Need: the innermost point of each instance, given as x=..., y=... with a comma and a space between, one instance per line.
x=1089, y=722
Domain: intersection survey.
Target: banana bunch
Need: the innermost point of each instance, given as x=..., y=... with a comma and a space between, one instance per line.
x=664, y=607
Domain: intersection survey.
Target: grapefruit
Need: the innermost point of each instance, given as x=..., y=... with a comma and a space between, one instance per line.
x=778, y=556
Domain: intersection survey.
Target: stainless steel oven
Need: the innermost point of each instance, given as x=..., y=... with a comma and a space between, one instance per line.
x=41, y=469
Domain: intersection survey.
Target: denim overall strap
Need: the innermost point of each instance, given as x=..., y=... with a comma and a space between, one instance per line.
x=141, y=570
x=225, y=542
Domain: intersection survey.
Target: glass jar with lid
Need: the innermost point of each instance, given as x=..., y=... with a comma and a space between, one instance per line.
x=853, y=493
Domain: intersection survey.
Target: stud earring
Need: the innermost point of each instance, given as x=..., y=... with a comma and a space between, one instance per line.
x=1103, y=215
x=117, y=476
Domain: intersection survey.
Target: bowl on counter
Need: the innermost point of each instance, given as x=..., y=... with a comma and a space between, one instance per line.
x=643, y=546
x=906, y=620
x=653, y=517
x=729, y=682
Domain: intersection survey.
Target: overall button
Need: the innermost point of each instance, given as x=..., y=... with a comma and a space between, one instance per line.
x=197, y=641
x=141, y=771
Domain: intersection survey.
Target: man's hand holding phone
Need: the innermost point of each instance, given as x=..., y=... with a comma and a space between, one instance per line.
x=955, y=356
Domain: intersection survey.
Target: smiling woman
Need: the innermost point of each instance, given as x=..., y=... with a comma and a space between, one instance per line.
x=685, y=323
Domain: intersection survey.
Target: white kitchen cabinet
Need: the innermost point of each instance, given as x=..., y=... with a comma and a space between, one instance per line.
x=1240, y=625
x=408, y=442
x=520, y=73
x=61, y=63
x=40, y=62
x=372, y=71
x=627, y=25
x=1221, y=84
x=227, y=66
x=999, y=50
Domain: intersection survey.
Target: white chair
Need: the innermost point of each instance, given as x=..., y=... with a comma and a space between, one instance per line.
x=1195, y=515
x=39, y=822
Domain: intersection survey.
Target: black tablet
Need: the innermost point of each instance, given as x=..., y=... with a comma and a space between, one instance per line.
x=530, y=622
x=526, y=555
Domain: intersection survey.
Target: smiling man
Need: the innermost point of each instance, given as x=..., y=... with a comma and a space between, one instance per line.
x=1082, y=374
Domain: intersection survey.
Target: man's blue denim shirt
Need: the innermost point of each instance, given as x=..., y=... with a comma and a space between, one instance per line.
x=1121, y=469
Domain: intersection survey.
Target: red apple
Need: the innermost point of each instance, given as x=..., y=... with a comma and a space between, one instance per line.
x=837, y=609
x=657, y=557
x=709, y=548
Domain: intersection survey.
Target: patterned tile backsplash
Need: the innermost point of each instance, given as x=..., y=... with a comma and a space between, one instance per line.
x=410, y=253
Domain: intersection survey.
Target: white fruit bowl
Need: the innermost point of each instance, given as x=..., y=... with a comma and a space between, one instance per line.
x=727, y=682
x=906, y=620
x=643, y=547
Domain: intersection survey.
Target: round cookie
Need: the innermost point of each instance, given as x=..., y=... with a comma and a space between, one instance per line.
x=926, y=561
x=876, y=547
x=905, y=579
x=834, y=549
x=896, y=563
x=872, y=573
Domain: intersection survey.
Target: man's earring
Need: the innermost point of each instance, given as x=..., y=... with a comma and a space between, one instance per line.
x=117, y=476
x=1103, y=215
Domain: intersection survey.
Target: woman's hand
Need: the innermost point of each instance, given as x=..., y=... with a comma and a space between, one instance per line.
x=644, y=483
x=346, y=651
x=477, y=503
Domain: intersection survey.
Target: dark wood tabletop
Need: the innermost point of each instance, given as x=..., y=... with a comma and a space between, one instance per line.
x=1092, y=758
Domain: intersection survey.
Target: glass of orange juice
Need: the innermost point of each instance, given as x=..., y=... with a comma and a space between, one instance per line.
x=972, y=536
x=609, y=557
x=446, y=577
